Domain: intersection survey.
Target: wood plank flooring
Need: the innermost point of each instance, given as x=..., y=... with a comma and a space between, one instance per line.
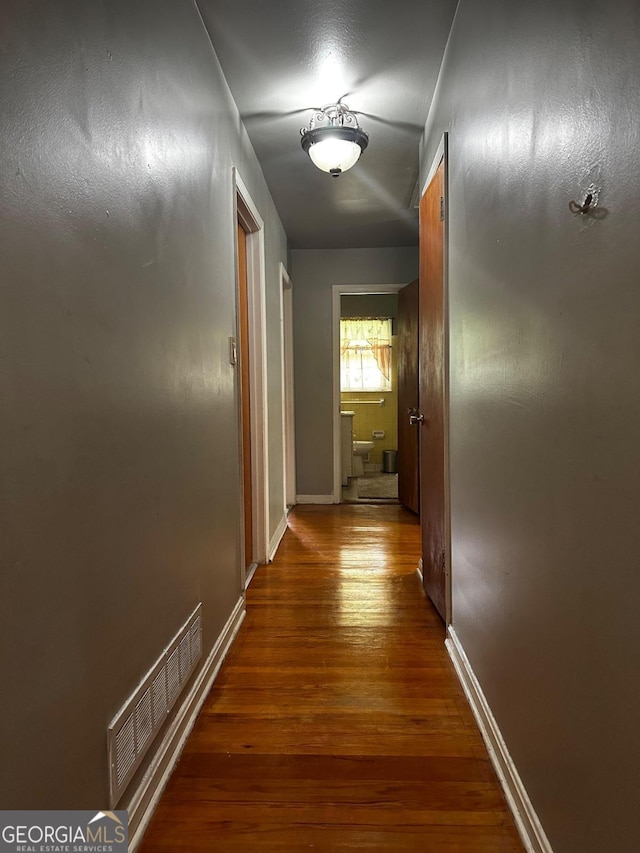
x=337, y=722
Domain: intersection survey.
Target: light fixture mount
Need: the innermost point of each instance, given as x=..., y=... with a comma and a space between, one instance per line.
x=334, y=140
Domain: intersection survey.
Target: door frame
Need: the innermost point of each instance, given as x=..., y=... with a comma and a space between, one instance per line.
x=337, y=290
x=288, y=405
x=246, y=212
x=442, y=155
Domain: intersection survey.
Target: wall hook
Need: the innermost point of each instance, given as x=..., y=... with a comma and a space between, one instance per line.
x=589, y=202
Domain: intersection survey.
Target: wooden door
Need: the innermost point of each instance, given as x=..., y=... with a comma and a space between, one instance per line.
x=432, y=367
x=408, y=398
x=245, y=396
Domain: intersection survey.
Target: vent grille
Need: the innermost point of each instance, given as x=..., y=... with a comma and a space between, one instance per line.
x=173, y=676
x=125, y=749
x=144, y=720
x=159, y=693
x=132, y=730
x=185, y=654
x=196, y=639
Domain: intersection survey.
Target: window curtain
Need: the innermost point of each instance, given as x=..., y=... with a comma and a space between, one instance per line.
x=372, y=334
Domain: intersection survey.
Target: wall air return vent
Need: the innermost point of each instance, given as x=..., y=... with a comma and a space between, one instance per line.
x=134, y=727
x=125, y=749
x=173, y=676
x=159, y=698
x=144, y=720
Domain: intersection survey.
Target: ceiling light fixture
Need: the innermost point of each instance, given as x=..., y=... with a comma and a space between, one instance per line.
x=338, y=142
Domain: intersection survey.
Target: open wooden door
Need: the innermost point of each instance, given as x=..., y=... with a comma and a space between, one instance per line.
x=408, y=397
x=431, y=419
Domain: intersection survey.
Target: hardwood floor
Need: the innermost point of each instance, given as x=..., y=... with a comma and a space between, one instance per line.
x=337, y=722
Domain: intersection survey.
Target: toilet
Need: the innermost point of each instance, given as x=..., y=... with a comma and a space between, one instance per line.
x=360, y=450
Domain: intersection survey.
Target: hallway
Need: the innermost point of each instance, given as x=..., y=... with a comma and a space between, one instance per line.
x=337, y=721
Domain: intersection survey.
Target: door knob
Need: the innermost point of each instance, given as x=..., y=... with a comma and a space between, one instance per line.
x=416, y=418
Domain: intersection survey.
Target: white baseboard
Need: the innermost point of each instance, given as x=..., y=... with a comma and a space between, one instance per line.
x=146, y=797
x=315, y=499
x=525, y=817
x=277, y=538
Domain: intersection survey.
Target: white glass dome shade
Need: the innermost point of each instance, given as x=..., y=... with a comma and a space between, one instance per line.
x=334, y=149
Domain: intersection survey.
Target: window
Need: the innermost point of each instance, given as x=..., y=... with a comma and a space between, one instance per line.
x=365, y=354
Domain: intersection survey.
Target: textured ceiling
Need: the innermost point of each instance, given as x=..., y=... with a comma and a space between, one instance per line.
x=282, y=58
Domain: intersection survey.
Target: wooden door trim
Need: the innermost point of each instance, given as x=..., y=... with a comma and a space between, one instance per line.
x=337, y=291
x=246, y=212
x=288, y=407
x=442, y=155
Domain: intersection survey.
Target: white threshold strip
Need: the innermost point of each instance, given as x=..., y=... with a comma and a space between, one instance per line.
x=146, y=797
x=526, y=820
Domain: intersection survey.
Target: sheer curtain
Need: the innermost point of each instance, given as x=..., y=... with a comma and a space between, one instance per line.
x=365, y=354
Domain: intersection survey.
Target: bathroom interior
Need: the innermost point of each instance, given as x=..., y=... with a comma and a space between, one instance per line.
x=368, y=397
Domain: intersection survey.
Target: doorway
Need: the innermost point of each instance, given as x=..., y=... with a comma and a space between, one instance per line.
x=251, y=380
x=288, y=406
x=244, y=356
x=377, y=484
x=408, y=397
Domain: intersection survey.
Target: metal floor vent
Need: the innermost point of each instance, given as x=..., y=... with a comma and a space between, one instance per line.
x=134, y=727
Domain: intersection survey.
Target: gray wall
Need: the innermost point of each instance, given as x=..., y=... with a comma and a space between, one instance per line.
x=545, y=396
x=314, y=272
x=119, y=471
x=369, y=305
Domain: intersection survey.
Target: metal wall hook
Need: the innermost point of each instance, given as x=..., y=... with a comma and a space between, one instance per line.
x=589, y=202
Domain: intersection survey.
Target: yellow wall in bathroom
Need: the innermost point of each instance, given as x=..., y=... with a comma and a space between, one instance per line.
x=370, y=417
